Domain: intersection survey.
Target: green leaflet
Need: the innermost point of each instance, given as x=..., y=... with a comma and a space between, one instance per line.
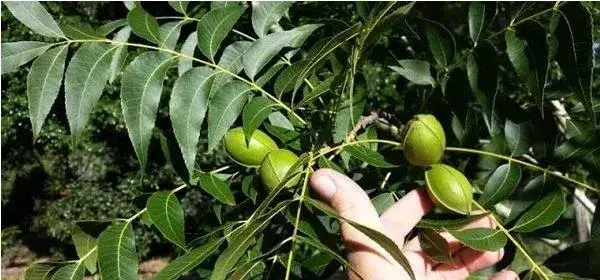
x=187, y=108
x=216, y=187
x=224, y=108
x=416, y=71
x=574, y=36
x=480, y=16
x=85, y=79
x=483, y=239
x=214, y=26
x=187, y=49
x=241, y=242
x=110, y=26
x=34, y=16
x=84, y=235
x=231, y=60
x=81, y=32
x=117, y=257
x=43, y=82
x=140, y=94
x=264, y=49
x=169, y=34
x=120, y=55
x=441, y=43
x=543, y=213
x=528, y=52
x=501, y=184
x=482, y=69
x=144, y=25
x=255, y=113
x=435, y=246
x=188, y=261
x=265, y=14
x=39, y=271
x=74, y=271
x=166, y=214
x=15, y=54
x=369, y=156
x=179, y=6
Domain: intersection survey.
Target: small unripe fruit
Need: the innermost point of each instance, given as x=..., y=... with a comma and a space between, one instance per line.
x=275, y=166
x=449, y=189
x=424, y=141
x=259, y=145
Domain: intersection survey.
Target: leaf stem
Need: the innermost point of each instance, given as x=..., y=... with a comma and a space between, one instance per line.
x=530, y=165
x=298, y=212
x=534, y=265
x=513, y=24
x=207, y=63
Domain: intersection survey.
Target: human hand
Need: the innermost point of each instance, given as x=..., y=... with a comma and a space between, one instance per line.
x=368, y=258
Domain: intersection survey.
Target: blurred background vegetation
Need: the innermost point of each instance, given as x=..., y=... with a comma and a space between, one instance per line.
x=47, y=185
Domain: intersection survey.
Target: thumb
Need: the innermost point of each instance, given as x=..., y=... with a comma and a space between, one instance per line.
x=352, y=203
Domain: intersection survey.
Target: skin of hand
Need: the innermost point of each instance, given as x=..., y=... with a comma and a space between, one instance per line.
x=370, y=260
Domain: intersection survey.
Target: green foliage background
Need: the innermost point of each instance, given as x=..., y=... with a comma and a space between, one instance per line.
x=48, y=185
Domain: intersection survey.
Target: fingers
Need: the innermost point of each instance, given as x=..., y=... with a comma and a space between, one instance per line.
x=401, y=218
x=467, y=261
x=505, y=275
x=352, y=203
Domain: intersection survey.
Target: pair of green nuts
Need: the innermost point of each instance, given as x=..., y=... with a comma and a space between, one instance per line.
x=262, y=152
x=423, y=145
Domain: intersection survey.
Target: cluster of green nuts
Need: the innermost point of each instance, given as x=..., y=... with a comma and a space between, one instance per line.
x=262, y=152
x=423, y=145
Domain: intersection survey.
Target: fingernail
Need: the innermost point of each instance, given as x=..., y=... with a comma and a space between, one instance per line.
x=324, y=186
